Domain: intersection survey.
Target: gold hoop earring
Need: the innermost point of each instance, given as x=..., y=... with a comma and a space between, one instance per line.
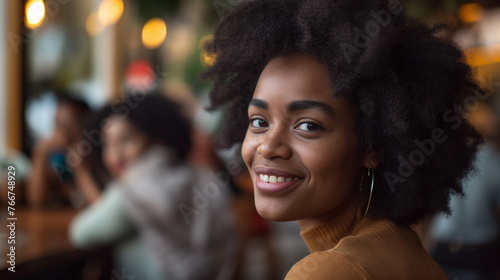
x=371, y=173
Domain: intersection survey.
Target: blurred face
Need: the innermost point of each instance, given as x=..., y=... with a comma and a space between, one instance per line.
x=301, y=147
x=122, y=144
x=67, y=123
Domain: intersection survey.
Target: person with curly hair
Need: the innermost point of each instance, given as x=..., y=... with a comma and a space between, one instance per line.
x=164, y=217
x=351, y=120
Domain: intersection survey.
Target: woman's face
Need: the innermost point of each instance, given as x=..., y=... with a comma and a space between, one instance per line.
x=301, y=147
x=122, y=144
x=67, y=123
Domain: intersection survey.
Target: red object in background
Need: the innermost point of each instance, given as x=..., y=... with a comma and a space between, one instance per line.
x=140, y=76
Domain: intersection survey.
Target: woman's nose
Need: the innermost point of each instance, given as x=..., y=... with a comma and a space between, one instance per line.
x=275, y=144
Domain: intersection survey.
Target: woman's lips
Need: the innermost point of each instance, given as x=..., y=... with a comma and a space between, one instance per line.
x=119, y=168
x=274, y=180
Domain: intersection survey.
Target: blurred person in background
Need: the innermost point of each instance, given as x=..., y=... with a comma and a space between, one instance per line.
x=52, y=180
x=468, y=241
x=166, y=219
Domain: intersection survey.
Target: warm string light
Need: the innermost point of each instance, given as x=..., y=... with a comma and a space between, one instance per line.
x=35, y=13
x=154, y=33
x=470, y=13
x=206, y=59
x=109, y=12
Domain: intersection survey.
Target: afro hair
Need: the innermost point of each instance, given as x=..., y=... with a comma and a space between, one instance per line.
x=408, y=87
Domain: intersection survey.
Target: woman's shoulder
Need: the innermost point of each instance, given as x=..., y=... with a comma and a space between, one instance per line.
x=389, y=251
x=327, y=265
x=377, y=249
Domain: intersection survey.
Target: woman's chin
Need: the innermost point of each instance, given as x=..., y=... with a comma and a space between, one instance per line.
x=273, y=213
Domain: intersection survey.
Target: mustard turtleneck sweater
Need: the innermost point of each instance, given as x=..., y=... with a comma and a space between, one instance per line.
x=351, y=247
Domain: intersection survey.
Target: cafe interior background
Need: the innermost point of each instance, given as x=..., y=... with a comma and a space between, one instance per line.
x=97, y=49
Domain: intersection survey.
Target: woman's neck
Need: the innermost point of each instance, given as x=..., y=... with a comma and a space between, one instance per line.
x=310, y=222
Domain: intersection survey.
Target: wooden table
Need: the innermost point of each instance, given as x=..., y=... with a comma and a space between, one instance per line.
x=39, y=233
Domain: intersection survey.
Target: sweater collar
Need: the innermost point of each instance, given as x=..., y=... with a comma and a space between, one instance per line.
x=327, y=234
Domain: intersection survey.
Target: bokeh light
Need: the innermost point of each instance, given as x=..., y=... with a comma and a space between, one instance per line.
x=35, y=13
x=93, y=24
x=154, y=33
x=469, y=13
x=110, y=11
x=206, y=59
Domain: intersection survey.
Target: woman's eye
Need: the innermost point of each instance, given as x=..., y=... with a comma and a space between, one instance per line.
x=258, y=123
x=308, y=126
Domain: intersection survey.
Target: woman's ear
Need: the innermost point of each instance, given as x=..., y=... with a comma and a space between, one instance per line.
x=371, y=160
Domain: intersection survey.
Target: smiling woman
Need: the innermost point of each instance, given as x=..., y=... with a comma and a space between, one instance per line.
x=298, y=131
x=329, y=99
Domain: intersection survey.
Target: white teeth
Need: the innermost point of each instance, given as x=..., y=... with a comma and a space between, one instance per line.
x=264, y=178
x=274, y=179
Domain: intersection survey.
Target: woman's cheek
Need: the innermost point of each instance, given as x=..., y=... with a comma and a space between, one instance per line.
x=248, y=149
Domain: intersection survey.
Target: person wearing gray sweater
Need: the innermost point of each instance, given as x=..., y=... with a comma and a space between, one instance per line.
x=165, y=218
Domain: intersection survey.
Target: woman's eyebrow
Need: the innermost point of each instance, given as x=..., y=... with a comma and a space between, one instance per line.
x=300, y=105
x=259, y=104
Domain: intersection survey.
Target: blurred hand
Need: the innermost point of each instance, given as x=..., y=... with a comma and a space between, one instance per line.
x=56, y=141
